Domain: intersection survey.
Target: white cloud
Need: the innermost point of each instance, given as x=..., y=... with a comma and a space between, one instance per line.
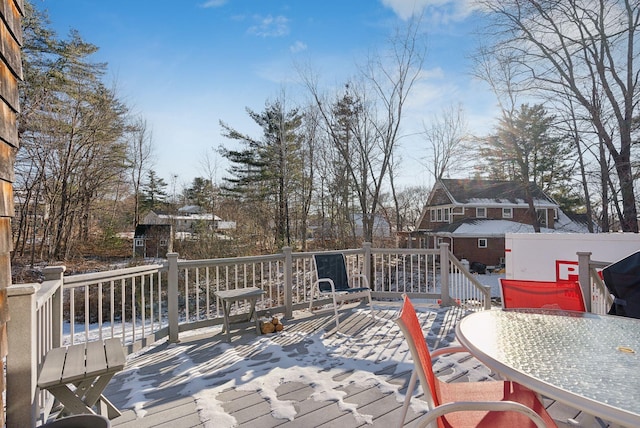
x=298, y=46
x=214, y=3
x=447, y=9
x=269, y=26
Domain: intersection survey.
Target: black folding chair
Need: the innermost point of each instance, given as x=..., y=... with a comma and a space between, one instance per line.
x=333, y=280
x=622, y=279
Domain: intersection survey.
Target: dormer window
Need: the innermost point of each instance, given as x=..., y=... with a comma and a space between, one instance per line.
x=481, y=212
x=439, y=215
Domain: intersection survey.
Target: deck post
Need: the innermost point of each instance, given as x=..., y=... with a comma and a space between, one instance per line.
x=367, y=262
x=584, y=277
x=56, y=273
x=172, y=297
x=22, y=360
x=444, y=275
x=288, y=284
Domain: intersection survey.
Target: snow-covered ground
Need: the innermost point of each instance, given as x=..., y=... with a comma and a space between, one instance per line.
x=492, y=280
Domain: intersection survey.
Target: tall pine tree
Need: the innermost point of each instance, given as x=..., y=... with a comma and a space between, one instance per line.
x=265, y=171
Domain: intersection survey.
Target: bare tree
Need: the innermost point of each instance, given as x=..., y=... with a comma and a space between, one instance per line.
x=585, y=48
x=140, y=156
x=209, y=166
x=445, y=136
x=364, y=122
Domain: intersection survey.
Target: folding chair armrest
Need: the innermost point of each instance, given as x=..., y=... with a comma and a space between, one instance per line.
x=448, y=350
x=461, y=406
x=329, y=280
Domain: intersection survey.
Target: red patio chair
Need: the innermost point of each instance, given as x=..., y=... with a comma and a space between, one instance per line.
x=465, y=404
x=542, y=294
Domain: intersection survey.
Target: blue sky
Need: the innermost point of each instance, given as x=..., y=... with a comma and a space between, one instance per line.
x=185, y=65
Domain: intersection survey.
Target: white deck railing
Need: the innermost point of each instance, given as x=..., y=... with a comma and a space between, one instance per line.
x=141, y=305
x=597, y=297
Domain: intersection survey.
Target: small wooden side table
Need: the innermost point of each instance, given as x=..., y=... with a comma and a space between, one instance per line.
x=229, y=296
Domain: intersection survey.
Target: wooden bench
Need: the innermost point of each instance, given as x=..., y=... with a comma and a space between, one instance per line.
x=229, y=296
x=89, y=368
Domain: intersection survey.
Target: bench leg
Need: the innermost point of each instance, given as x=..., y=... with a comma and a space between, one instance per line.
x=226, y=309
x=94, y=393
x=105, y=408
x=253, y=313
x=71, y=402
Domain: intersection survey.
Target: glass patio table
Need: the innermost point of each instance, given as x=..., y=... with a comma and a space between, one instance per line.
x=587, y=361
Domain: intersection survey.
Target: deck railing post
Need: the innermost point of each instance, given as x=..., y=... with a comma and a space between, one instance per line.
x=366, y=246
x=584, y=277
x=444, y=275
x=22, y=361
x=172, y=297
x=288, y=283
x=56, y=273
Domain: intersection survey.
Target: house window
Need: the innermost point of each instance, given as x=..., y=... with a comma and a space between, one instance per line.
x=482, y=243
x=507, y=213
x=542, y=217
x=139, y=242
x=163, y=242
x=439, y=214
x=481, y=212
x=438, y=242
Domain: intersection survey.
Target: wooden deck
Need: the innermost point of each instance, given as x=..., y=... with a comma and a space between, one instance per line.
x=308, y=376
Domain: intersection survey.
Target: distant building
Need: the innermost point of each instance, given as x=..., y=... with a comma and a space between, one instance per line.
x=473, y=216
x=152, y=240
x=155, y=233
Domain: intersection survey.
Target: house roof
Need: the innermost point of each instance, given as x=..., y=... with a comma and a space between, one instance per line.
x=168, y=218
x=492, y=192
x=573, y=223
x=485, y=228
x=194, y=209
x=142, y=229
x=473, y=227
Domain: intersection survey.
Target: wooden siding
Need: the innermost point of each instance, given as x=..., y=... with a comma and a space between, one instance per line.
x=10, y=73
x=467, y=248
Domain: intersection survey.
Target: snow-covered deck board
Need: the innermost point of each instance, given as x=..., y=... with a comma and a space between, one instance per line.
x=356, y=377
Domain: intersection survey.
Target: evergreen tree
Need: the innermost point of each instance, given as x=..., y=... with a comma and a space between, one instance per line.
x=266, y=170
x=71, y=150
x=154, y=193
x=525, y=148
x=201, y=193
